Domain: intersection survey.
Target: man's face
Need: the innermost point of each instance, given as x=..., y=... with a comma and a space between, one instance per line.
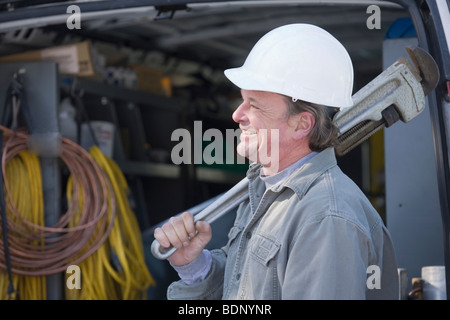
x=266, y=134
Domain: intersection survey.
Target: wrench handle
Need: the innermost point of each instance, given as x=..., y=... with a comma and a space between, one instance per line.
x=211, y=213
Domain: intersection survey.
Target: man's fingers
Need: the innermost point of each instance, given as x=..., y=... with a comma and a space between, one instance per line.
x=204, y=231
x=181, y=230
x=177, y=232
x=188, y=220
x=172, y=235
x=179, y=226
x=161, y=237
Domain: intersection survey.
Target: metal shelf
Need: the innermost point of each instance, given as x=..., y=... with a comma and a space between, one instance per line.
x=150, y=169
x=218, y=176
x=171, y=171
x=146, y=99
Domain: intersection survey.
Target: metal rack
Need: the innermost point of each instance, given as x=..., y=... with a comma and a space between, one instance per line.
x=127, y=106
x=149, y=120
x=44, y=98
x=147, y=116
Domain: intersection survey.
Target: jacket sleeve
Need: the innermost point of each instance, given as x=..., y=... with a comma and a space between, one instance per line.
x=210, y=288
x=328, y=260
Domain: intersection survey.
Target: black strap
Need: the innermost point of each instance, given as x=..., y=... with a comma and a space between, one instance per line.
x=82, y=115
x=11, y=289
x=15, y=94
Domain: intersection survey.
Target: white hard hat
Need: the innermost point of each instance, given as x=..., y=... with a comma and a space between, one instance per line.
x=301, y=61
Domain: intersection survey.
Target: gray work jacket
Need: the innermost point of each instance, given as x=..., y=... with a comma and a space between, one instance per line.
x=314, y=236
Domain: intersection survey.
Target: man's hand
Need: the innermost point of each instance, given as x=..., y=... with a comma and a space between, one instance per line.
x=180, y=232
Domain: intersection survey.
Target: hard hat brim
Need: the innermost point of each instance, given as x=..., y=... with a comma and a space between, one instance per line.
x=247, y=80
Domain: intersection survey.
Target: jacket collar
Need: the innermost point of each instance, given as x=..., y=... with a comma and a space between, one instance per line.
x=302, y=178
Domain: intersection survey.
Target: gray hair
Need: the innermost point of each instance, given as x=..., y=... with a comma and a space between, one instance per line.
x=325, y=133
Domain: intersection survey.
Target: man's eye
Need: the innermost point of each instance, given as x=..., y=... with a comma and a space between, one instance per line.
x=253, y=106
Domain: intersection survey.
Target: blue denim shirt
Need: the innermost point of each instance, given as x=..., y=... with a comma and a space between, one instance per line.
x=313, y=236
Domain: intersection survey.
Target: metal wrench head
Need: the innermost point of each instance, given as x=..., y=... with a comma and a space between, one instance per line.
x=425, y=67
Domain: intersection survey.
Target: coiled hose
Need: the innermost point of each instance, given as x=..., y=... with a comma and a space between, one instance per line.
x=98, y=232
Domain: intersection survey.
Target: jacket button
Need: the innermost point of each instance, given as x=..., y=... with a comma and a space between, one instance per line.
x=248, y=235
x=238, y=276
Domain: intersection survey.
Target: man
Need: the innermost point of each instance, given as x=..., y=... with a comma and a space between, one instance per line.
x=307, y=231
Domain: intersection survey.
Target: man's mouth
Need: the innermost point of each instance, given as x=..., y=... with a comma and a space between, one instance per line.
x=249, y=132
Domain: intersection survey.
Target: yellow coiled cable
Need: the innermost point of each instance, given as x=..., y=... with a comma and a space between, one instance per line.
x=24, y=171
x=116, y=270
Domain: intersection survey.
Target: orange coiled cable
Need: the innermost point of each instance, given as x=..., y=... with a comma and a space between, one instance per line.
x=37, y=250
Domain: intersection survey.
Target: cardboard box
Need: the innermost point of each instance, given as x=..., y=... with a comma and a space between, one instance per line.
x=74, y=59
x=152, y=80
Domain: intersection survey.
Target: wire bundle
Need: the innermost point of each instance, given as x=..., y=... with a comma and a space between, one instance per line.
x=117, y=270
x=25, y=171
x=98, y=232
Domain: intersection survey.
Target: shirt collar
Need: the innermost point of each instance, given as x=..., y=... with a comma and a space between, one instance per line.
x=273, y=180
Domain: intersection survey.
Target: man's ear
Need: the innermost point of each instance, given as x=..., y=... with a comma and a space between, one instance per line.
x=304, y=123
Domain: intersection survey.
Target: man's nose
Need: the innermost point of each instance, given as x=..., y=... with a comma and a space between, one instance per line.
x=239, y=114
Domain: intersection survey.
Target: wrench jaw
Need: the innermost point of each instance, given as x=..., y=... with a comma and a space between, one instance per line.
x=398, y=93
x=425, y=67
